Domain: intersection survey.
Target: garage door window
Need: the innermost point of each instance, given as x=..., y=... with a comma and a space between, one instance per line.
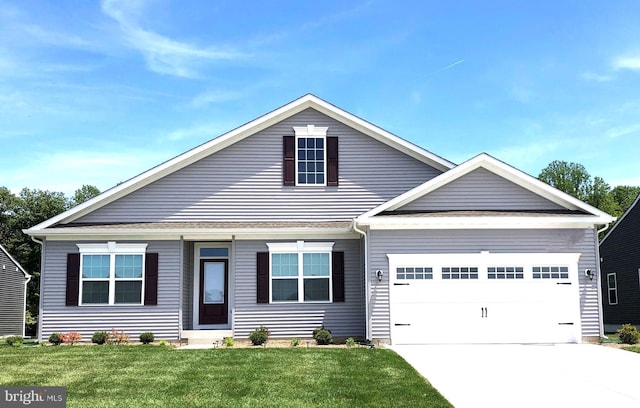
x=457, y=272
x=505, y=272
x=550, y=272
x=612, y=286
x=419, y=273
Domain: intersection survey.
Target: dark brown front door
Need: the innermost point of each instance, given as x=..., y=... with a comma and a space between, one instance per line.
x=214, y=303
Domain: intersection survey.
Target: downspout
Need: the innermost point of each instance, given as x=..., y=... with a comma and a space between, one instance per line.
x=366, y=278
x=40, y=302
x=180, y=290
x=599, y=283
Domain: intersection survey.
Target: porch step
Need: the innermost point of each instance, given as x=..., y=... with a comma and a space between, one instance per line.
x=205, y=336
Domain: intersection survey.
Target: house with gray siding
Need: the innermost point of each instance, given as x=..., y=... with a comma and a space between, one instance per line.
x=309, y=216
x=13, y=295
x=620, y=263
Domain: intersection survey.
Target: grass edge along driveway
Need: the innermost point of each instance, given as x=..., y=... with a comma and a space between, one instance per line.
x=135, y=376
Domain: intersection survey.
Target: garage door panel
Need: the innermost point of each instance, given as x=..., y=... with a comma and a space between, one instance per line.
x=500, y=305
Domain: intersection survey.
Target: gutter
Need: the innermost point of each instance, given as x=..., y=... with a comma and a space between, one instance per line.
x=40, y=300
x=366, y=279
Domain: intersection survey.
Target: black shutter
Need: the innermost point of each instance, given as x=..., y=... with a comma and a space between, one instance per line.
x=289, y=160
x=332, y=161
x=151, y=279
x=73, y=279
x=337, y=266
x=262, y=280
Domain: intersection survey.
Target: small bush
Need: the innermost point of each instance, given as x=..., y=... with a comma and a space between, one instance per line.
x=163, y=343
x=350, y=342
x=295, y=342
x=146, y=337
x=118, y=338
x=322, y=335
x=259, y=336
x=99, y=337
x=56, y=339
x=14, y=341
x=628, y=334
x=71, y=338
x=228, y=342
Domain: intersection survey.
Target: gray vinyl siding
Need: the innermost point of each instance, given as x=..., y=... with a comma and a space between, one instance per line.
x=473, y=241
x=187, y=286
x=161, y=319
x=12, y=284
x=481, y=190
x=244, y=182
x=344, y=319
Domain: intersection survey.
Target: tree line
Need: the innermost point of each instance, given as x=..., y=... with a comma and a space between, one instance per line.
x=31, y=207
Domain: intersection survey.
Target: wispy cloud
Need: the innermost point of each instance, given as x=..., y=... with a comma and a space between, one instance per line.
x=45, y=36
x=619, y=131
x=591, y=76
x=163, y=55
x=627, y=62
x=446, y=67
x=211, y=97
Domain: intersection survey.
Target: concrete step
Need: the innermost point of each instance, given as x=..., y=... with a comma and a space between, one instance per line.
x=205, y=336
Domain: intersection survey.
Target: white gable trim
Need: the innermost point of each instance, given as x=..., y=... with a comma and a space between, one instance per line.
x=621, y=218
x=227, y=139
x=501, y=169
x=26, y=275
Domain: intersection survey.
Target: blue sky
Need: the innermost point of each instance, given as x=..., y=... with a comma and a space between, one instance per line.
x=97, y=92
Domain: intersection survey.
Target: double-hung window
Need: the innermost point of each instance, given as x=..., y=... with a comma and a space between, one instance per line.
x=311, y=155
x=612, y=288
x=300, y=272
x=111, y=273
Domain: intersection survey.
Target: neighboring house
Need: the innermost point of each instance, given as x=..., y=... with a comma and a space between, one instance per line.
x=13, y=295
x=311, y=216
x=620, y=265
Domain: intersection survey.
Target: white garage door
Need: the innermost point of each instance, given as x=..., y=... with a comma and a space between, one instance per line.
x=484, y=298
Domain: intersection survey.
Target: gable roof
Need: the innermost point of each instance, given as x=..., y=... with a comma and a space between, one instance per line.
x=591, y=214
x=235, y=135
x=26, y=275
x=631, y=207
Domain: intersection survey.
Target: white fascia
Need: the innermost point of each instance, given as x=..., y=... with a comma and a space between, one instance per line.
x=393, y=223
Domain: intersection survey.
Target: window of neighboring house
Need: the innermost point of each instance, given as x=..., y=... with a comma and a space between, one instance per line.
x=300, y=272
x=111, y=274
x=311, y=155
x=612, y=288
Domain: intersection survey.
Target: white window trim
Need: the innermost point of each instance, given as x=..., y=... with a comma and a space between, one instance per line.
x=319, y=132
x=300, y=248
x=112, y=249
x=615, y=288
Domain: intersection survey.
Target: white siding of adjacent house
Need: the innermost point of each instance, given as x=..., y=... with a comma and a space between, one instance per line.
x=383, y=242
x=161, y=319
x=12, y=293
x=481, y=190
x=244, y=182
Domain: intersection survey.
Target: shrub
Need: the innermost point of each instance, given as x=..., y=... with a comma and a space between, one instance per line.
x=322, y=335
x=55, y=339
x=14, y=341
x=295, y=342
x=350, y=342
x=118, y=338
x=228, y=342
x=99, y=337
x=259, y=336
x=163, y=343
x=146, y=337
x=71, y=338
x=628, y=334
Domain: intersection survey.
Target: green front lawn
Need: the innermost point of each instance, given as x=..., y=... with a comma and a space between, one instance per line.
x=136, y=376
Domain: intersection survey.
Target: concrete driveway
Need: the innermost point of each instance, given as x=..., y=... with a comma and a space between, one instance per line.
x=510, y=376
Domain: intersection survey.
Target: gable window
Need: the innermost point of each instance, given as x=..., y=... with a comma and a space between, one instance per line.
x=111, y=273
x=310, y=158
x=300, y=272
x=612, y=288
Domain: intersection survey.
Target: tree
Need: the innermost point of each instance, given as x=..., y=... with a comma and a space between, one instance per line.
x=599, y=196
x=84, y=193
x=625, y=196
x=572, y=178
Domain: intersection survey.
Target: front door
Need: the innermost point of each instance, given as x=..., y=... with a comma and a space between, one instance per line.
x=214, y=303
